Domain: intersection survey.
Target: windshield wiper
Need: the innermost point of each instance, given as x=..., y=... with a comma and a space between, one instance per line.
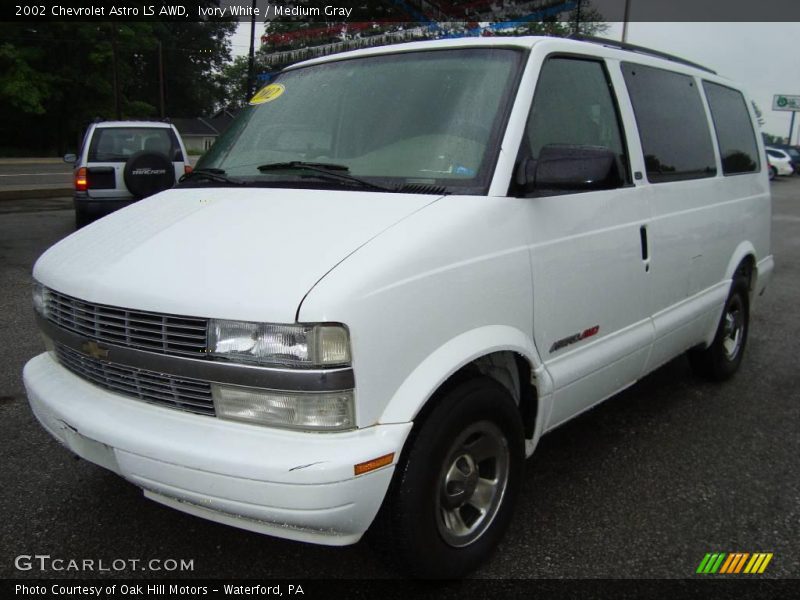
x=210, y=174
x=327, y=170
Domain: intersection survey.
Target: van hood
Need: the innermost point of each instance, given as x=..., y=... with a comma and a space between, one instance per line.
x=249, y=254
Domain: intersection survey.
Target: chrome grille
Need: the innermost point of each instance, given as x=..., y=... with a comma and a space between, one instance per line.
x=166, y=334
x=190, y=395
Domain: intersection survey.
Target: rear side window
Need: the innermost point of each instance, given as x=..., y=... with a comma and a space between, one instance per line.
x=673, y=127
x=118, y=144
x=735, y=136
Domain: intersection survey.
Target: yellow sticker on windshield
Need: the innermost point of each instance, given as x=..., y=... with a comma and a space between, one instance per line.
x=268, y=93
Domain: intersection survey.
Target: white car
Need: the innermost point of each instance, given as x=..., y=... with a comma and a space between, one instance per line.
x=780, y=161
x=393, y=274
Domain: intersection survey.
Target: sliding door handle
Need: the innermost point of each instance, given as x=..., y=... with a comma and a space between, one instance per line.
x=645, y=247
x=643, y=238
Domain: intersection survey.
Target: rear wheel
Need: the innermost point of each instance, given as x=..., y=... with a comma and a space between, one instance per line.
x=453, y=492
x=773, y=172
x=722, y=358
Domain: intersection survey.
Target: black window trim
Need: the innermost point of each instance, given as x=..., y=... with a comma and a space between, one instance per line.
x=721, y=167
x=708, y=119
x=628, y=175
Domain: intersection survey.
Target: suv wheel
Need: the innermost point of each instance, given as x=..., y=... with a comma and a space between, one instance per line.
x=453, y=493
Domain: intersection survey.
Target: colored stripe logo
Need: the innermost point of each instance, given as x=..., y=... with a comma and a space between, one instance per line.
x=734, y=563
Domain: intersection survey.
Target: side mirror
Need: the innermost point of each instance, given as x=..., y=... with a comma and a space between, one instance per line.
x=70, y=158
x=576, y=168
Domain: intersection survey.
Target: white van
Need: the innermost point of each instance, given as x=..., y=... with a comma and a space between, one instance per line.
x=393, y=274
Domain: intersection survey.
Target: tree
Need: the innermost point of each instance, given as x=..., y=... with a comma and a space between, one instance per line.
x=233, y=81
x=585, y=19
x=772, y=139
x=22, y=87
x=55, y=77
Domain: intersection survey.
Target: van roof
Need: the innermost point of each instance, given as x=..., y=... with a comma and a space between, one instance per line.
x=584, y=44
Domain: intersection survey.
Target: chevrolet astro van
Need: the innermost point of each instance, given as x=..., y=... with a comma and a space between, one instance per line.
x=394, y=273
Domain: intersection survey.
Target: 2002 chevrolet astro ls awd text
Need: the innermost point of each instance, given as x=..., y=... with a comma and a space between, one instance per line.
x=398, y=269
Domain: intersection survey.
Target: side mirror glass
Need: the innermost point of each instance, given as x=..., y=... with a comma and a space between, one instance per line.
x=70, y=158
x=562, y=167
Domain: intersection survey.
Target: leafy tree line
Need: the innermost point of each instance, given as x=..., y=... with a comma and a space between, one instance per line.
x=55, y=77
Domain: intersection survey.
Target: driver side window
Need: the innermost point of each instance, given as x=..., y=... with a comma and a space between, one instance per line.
x=573, y=105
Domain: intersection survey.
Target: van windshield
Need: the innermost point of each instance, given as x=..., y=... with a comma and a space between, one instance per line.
x=425, y=118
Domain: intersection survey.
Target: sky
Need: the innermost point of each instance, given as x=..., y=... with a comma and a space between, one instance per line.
x=240, y=43
x=763, y=57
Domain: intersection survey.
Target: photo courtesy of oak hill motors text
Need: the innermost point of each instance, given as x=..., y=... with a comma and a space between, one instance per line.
x=178, y=10
x=111, y=590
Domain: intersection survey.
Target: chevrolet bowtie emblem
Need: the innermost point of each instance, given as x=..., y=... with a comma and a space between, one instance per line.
x=94, y=350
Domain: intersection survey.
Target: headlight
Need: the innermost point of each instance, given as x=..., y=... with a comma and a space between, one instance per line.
x=286, y=345
x=39, y=295
x=318, y=411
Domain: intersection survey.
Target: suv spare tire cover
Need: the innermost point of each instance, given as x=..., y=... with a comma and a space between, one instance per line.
x=147, y=173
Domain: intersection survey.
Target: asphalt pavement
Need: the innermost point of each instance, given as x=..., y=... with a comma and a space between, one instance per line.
x=47, y=176
x=642, y=487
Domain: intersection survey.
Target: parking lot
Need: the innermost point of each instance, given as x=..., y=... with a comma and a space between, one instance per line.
x=643, y=486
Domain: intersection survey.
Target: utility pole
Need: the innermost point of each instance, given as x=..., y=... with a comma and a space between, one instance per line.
x=577, y=18
x=251, y=63
x=161, y=79
x=791, y=128
x=114, y=75
x=625, y=18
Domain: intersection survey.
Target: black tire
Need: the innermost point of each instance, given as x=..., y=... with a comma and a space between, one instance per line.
x=477, y=418
x=82, y=218
x=773, y=172
x=147, y=173
x=722, y=358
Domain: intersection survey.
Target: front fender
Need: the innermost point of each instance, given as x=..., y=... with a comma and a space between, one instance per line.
x=437, y=367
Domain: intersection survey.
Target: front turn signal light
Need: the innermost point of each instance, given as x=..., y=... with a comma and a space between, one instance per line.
x=375, y=463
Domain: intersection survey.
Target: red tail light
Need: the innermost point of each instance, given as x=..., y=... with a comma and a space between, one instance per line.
x=187, y=169
x=80, y=180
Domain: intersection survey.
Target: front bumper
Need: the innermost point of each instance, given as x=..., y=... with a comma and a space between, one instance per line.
x=288, y=484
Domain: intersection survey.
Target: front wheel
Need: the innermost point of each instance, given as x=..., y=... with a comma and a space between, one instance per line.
x=722, y=358
x=453, y=492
